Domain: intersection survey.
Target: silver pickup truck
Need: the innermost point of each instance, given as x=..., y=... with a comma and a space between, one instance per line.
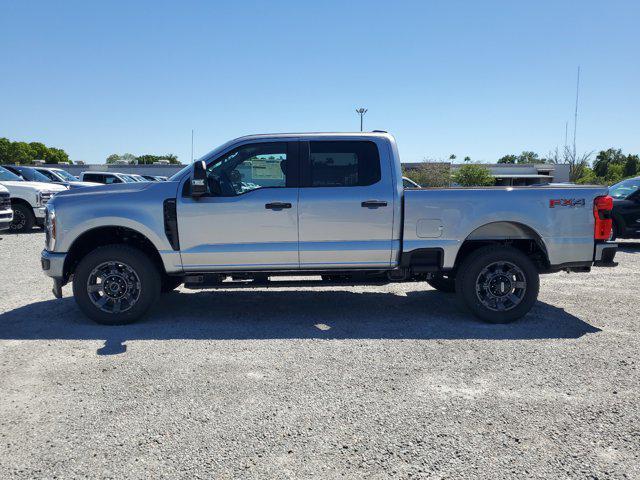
x=325, y=206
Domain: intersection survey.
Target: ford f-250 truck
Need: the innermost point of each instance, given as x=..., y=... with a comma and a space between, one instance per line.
x=325, y=205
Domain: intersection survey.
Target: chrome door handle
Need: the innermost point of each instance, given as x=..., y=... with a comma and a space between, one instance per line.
x=373, y=204
x=277, y=205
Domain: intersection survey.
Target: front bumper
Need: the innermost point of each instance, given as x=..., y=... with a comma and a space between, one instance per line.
x=6, y=217
x=39, y=212
x=53, y=264
x=604, y=254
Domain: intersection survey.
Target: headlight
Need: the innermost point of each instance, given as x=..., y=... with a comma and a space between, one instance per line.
x=50, y=228
x=43, y=198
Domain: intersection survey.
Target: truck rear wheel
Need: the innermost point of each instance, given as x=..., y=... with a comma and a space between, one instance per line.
x=498, y=284
x=443, y=284
x=116, y=284
x=23, y=218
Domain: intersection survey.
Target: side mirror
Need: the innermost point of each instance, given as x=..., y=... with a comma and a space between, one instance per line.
x=199, y=185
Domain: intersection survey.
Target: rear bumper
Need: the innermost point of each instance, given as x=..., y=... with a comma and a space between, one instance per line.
x=53, y=264
x=604, y=254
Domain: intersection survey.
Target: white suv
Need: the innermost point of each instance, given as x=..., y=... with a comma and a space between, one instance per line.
x=27, y=200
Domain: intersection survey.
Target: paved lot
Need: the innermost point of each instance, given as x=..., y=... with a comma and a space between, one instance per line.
x=373, y=382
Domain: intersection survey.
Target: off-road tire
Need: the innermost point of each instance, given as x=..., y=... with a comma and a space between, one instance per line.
x=468, y=282
x=138, y=261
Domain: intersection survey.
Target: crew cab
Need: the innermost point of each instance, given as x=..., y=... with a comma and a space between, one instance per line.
x=6, y=214
x=27, y=200
x=325, y=206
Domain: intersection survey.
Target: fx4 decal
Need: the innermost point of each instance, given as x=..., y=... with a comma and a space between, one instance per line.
x=566, y=202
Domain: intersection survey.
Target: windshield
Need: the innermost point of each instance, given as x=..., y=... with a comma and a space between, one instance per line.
x=65, y=175
x=625, y=188
x=7, y=176
x=33, y=175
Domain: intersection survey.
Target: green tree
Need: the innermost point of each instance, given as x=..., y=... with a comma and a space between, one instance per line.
x=56, y=155
x=173, y=159
x=430, y=174
x=40, y=151
x=615, y=173
x=606, y=158
x=452, y=157
x=632, y=166
x=473, y=175
x=113, y=158
x=529, y=157
x=508, y=159
x=589, y=177
x=5, y=146
x=20, y=152
x=467, y=159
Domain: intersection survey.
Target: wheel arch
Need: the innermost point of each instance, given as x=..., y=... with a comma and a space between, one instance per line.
x=515, y=234
x=21, y=201
x=108, y=235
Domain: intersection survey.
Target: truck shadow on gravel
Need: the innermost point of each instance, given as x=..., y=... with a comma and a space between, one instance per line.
x=288, y=314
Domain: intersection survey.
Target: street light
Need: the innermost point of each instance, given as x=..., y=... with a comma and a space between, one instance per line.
x=361, y=111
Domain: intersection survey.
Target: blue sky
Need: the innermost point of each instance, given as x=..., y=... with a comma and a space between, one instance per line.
x=477, y=78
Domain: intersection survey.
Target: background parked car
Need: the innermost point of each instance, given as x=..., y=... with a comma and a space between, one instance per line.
x=106, y=178
x=626, y=208
x=28, y=199
x=62, y=177
x=27, y=173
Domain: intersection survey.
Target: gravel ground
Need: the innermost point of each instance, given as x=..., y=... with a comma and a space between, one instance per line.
x=366, y=382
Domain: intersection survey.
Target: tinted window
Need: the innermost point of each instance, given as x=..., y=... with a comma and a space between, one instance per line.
x=253, y=166
x=343, y=164
x=92, y=177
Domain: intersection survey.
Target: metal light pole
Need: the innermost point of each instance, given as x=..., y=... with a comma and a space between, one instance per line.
x=361, y=111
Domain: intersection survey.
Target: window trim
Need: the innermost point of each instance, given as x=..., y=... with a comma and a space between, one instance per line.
x=305, y=163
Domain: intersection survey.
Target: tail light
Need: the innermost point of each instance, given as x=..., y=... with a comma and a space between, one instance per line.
x=602, y=207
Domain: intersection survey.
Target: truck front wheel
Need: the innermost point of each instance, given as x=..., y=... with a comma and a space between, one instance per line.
x=498, y=284
x=116, y=284
x=23, y=218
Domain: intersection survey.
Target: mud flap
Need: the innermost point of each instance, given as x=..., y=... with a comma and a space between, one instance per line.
x=57, y=288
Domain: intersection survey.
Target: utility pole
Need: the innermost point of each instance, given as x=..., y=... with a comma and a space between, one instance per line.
x=575, y=115
x=361, y=111
x=192, y=145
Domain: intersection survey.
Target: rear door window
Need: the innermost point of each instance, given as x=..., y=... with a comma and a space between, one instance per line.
x=342, y=164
